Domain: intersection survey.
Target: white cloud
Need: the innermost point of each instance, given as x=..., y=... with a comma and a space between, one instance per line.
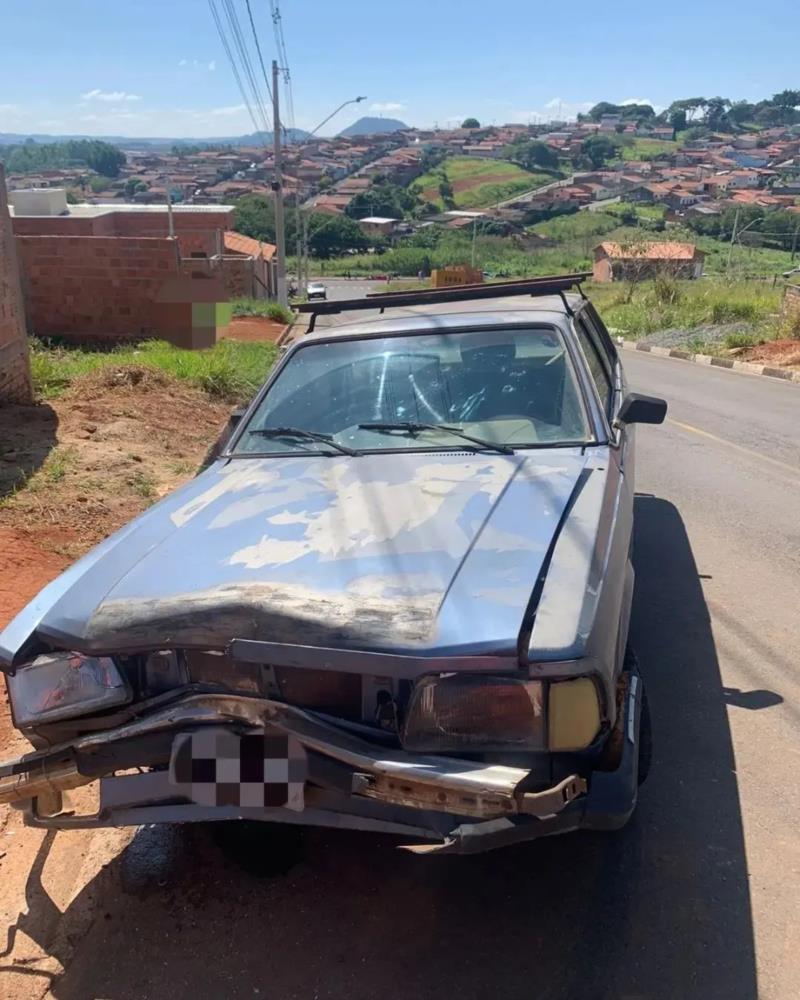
x=557, y=108
x=386, y=106
x=109, y=95
x=229, y=111
x=197, y=64
x=636, y=100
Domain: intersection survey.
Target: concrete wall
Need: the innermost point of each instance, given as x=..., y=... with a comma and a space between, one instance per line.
x=94, y=287
x=15, y=379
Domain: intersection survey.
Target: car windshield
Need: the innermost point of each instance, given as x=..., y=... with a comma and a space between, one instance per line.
x=513, y=388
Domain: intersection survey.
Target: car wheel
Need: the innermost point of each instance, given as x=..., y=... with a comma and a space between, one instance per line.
x=645, y=739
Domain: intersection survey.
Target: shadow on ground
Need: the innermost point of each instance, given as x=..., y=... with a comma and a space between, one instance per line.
x=27, y=436
x=660, y=910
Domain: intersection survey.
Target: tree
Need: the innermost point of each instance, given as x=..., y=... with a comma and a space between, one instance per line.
x=717, y=113
x=98, y=183
x=740, y=112
x=532, y=153
x=332, y=235
x=599, y=149
x=134, y=185
x=677, y=118
x=384, y=199
x=446, y=192
x=470, y=123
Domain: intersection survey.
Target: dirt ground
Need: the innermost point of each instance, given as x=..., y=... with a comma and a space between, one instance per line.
x=781, y=353
x=72, y=470
x=257, y=328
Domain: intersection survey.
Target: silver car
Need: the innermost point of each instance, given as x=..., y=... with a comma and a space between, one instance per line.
x=397, y=600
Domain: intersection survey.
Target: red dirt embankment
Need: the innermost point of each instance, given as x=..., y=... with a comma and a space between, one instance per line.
x=74, y=469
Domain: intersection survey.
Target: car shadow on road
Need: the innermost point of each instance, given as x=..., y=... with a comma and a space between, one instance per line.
x=659, y=910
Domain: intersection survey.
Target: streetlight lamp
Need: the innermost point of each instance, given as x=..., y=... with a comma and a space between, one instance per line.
x=302, y=229
x=353, y=100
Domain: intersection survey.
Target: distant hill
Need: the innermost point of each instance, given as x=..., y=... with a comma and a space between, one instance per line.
x=373, y=126
x=139, y=142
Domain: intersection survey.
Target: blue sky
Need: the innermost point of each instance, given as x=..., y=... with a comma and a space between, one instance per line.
x=157, y=67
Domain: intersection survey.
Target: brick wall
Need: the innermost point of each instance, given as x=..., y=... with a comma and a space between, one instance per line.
x=94, y=287
x=15, y=379
x=196, y=232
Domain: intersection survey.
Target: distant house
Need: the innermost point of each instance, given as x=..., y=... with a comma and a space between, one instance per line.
x=377, y=225
x=639, y=261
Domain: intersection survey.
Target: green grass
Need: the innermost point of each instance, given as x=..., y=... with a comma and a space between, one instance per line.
x=262, y=307
x=647, y=307
x=564, y=228
x=647, y=149
x=648, y=213
x=230, y=370
x=487, y=181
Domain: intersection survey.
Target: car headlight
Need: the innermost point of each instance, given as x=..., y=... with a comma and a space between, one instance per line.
x=63, y=686
x=463, y=712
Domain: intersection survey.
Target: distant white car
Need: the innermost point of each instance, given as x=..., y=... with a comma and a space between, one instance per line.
x=316, y=290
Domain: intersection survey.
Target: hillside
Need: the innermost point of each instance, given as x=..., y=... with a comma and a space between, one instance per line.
x=143, y=142
x=374, y=126
x=478, y=183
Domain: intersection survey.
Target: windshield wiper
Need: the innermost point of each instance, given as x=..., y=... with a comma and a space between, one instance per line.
x=298, y=432
x=415, y=428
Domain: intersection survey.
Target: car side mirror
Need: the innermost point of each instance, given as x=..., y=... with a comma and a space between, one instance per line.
x=639, y=409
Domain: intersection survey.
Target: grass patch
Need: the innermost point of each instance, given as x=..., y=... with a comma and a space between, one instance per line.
x=229, y=370
x=478, y=183
x=647, y=307
x=648, y=149
x=262, y=307
x=54, y=468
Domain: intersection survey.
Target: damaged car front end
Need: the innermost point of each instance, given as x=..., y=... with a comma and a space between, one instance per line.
x=397, y=601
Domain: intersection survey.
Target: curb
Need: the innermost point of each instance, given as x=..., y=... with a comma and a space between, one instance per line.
x=287, y=333
x=749, y=367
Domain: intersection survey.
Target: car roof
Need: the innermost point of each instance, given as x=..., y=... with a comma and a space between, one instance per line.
x=549, y=309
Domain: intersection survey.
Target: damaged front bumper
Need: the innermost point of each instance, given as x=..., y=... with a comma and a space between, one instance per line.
x=351, y=782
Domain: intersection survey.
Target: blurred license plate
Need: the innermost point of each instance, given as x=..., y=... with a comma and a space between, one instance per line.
x=214, y=767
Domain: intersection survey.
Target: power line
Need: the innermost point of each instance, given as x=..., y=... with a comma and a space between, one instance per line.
x=232, y=61
x=258, y=50
x=244, y=56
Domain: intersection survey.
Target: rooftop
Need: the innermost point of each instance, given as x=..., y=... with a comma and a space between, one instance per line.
x=649, y=251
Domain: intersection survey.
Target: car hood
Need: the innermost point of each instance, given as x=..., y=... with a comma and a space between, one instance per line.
x=419, y=553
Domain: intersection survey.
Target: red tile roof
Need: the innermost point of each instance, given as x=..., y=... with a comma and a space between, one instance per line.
x=650, y=251
x=244, y=244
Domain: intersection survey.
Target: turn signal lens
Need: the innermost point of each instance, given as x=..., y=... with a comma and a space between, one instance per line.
x=573, y=714
x=458, y=712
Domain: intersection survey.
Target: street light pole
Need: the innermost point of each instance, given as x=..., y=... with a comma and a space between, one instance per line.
x=302, y=224
x=280, y=228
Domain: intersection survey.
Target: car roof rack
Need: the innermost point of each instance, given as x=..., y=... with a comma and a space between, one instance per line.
x=556, y=284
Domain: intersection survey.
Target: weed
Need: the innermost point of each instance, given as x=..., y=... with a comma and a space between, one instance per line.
x=142, y=484
x=54, y=468
x=229, y=370
x=261, y=307
x=740, y=339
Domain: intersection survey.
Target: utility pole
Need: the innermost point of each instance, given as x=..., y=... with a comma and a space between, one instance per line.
x=277, y=186
x=794, y=241
x=170, y=220
x=733, y=239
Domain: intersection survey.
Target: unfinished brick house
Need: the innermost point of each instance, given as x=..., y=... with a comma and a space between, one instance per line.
x=15, y=380
x=97, y=272
x=640, y=261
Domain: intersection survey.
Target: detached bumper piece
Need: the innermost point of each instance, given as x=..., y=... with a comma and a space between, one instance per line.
x=352, y=782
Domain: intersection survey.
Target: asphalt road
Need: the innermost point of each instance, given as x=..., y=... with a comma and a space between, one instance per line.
x=699, y=897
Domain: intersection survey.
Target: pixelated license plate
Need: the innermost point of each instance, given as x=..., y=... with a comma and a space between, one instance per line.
x=214, y=767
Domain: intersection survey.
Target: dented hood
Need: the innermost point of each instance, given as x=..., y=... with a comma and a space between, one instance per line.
x=418, y=553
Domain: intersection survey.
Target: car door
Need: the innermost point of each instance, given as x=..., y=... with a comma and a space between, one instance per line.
x=606, y=372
